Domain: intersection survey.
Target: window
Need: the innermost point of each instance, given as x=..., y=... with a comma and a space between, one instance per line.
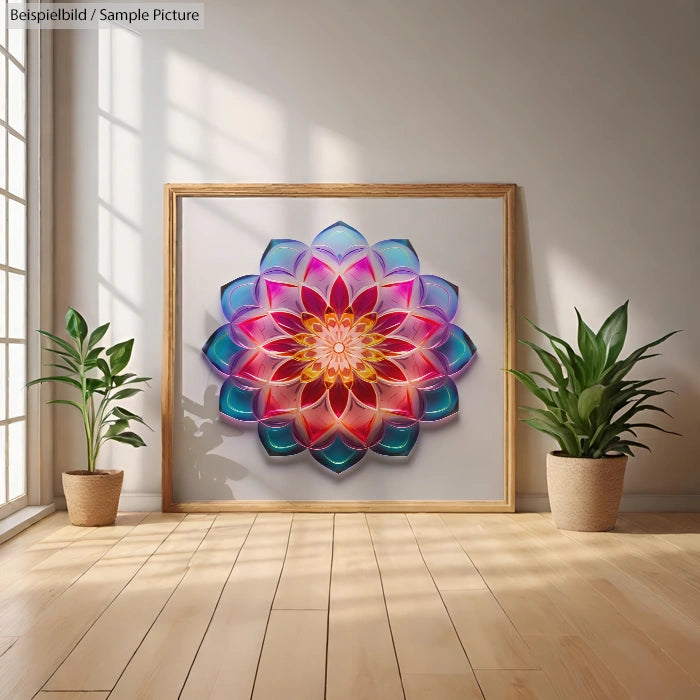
x=13, y=266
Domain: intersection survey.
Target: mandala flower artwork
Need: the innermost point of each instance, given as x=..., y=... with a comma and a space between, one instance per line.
x=339, y=347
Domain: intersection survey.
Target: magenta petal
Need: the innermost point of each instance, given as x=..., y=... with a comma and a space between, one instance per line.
x=389, y=322
x=386, y=369
x=282, y=346
x=288, y=322
x=319, y=275
x=312, y=392
x=291, y=369
x=339, y=297
x=395, y=345
x=313, y=301
x=338, y=396
x=365, y=302
x=365, y=392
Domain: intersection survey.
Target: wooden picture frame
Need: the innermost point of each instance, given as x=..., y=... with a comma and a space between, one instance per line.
x=173, y=196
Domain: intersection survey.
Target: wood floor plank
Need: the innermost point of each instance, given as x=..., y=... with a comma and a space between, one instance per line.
x=448, y=563
x=670, y=629
x=122, y=627
x=520, y=585
x=361, y=660
x=574, y=669
x=628, y=554
x=307, y=566
x=642, y=667
x=76, y=695
x=424, y=638
x=515, y=685
x=21, y=543
x=159, y=667
x=445, y=686
x=26, y=597
x=241, y=617
x=293, y=659
x=6, y=643
x=28, y=664
x=488, y=636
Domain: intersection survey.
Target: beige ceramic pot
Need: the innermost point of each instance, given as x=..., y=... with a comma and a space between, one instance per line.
x=92, y=498
x=585, y=494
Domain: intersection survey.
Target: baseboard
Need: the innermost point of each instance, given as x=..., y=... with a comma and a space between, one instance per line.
x=129, y=502
x=524, y=503
x=22, y=519
x=631, y=503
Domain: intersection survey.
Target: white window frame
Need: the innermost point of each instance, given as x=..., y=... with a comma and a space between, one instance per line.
x=39, y=268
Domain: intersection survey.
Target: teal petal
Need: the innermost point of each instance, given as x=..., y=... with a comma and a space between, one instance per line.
x=441, y=403
x=278, y=440
x=240, y=292
x=282, y=254
x=397, y=441
x=220, y=349
x=337, y=456
x=397, y=255
x=339, y=240
x=235, y=402
x=438, y=292
x=458, y=349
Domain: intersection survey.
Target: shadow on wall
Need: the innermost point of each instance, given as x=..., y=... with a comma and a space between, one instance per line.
x=210, y=473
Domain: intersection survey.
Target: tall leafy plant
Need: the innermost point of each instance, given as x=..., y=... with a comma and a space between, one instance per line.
x=590, y=407
x=97, y=374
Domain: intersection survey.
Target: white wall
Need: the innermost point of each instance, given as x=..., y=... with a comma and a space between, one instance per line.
x=590, y=107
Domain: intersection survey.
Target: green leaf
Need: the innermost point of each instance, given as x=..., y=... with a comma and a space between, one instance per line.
x=549, y=361
x=531, y=385
x=102, y=365
x=127, y=415
x=590, y=399
x=69, y=349
x=119, y=355
x=68, y=403
x=97, y=335
x=126, y=393
x=57, y=378
x=591, y=351
x=93, y=384
x=76, y=327
x=128, y=438
x=613, y=333
x=116, y=428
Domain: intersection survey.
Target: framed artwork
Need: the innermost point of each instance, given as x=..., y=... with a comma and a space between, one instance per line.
x=338, y=347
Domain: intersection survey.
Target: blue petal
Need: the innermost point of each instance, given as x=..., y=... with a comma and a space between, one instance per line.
x=440, y=293
x=441, y=402
x=458, y=349
x=220, y=349
x=235, y=402
x=338, y=456
x=397, y=441
x=278, y=440
x=240, y=292
x=397, y=255
x=282, y=254
x=339, y=240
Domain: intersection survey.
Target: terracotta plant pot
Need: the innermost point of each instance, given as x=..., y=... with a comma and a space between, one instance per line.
x=585, y=494
x=92, y=498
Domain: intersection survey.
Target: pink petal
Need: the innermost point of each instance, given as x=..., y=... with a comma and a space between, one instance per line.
x=361, y=425
x=395, y=345
x=396, y=296
x=254, y=328
x=283, y=346
x=276, y=401
x=319, y=275
x=254, y=367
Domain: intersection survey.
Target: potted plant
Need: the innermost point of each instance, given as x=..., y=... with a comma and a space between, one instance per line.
x=590, y=409
x=97, y=374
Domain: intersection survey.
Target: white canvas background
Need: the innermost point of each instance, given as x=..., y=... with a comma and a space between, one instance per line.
x=224, y=238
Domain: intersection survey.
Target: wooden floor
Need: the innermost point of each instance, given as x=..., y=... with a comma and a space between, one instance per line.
x=350, y=606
